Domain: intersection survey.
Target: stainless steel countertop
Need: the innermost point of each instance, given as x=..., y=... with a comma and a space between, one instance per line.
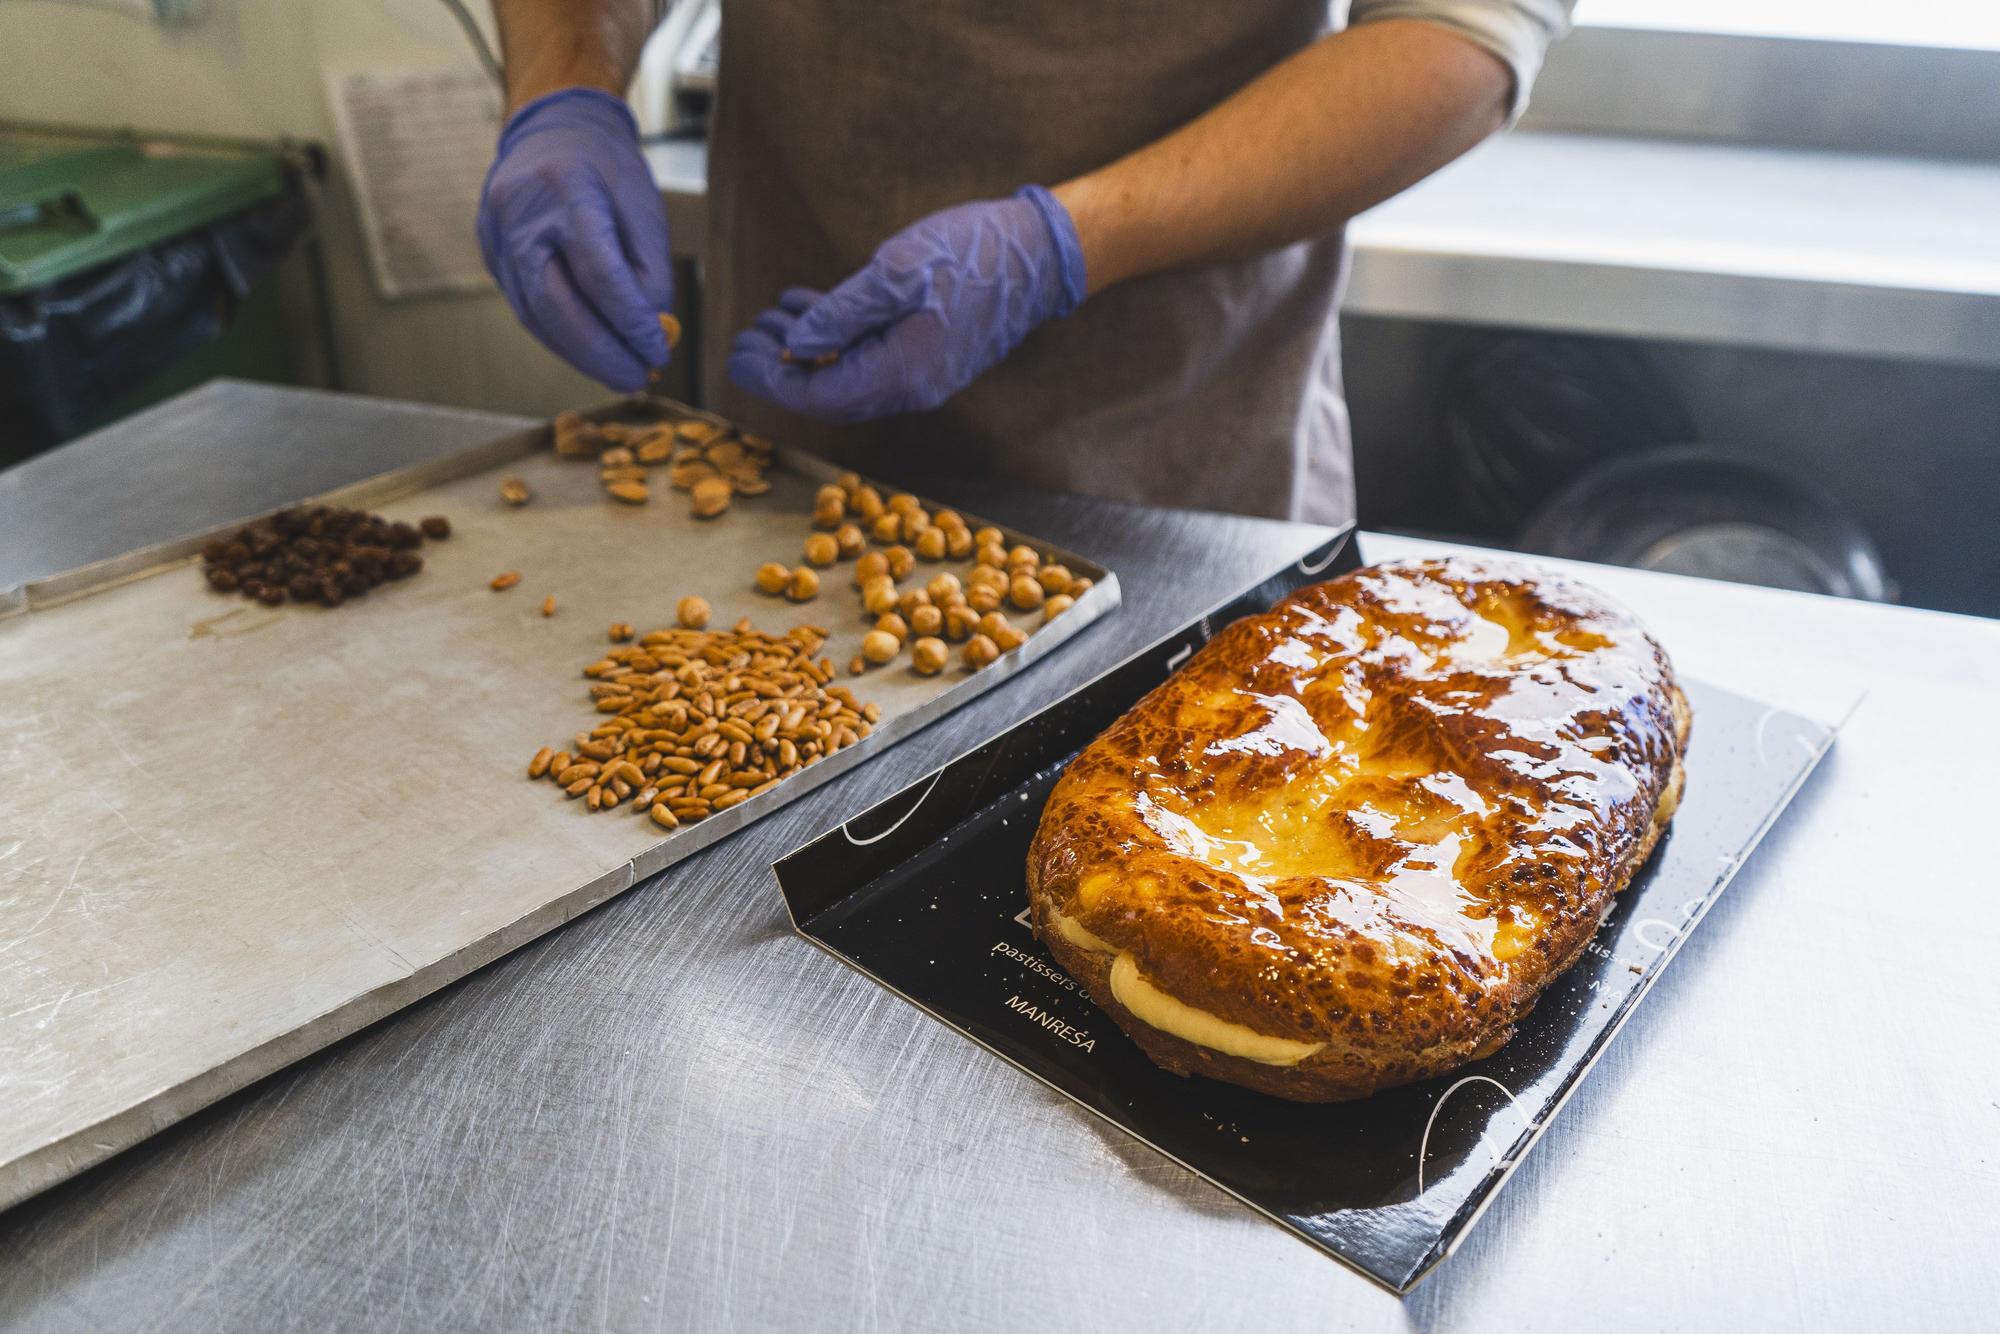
x=674, y=1114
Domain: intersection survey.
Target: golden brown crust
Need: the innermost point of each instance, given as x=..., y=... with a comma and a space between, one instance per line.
x=1381, y=817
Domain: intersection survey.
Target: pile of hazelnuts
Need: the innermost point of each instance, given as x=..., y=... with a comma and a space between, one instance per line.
x=317, y=553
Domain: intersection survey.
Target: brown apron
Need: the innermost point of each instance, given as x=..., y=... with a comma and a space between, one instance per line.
x=838, y=122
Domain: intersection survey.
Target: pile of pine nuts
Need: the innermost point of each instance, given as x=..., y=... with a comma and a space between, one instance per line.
x=698, y=721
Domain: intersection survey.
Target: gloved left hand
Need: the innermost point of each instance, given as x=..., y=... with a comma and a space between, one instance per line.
x=940, y=302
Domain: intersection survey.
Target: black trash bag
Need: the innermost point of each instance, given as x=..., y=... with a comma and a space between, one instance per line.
x=67, y=348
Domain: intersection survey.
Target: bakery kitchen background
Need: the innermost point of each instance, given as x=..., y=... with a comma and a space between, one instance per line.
x=682, y=667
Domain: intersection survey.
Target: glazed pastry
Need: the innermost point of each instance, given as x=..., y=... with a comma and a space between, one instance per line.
x=1349, y=843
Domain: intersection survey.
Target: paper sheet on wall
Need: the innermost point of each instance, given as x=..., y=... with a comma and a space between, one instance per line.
x=417, y=143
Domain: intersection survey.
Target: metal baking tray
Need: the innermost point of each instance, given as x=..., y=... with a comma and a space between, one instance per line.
x=231, y=835
x=925, y=894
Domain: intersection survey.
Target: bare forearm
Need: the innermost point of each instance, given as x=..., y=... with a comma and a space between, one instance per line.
x=1339, y=127
x=552, y=44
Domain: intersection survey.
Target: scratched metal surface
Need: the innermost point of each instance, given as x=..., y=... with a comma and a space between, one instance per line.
x=291, y=821
x=675, y=1114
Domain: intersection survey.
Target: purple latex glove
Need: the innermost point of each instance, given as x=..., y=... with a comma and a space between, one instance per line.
x=573, y=230
x=941, y=301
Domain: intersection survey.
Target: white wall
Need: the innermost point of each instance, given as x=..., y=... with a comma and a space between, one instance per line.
x=254, y=68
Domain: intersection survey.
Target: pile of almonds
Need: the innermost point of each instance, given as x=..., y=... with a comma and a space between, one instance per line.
x=710, y=461
x=317, y=553
x=697, y=721
x=942, y=608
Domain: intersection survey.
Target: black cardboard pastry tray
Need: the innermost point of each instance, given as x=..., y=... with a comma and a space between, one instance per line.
x=925, y=894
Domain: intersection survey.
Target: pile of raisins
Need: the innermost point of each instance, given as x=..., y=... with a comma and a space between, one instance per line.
x=317, y=554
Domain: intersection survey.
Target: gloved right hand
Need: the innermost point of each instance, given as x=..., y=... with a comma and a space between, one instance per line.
x=574, y=232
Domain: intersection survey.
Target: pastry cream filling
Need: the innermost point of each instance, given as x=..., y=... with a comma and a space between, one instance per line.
x=1072, y=931
x=1184, y=1021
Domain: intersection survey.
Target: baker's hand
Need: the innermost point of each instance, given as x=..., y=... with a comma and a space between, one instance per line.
x=573, y=230
x=941, y=301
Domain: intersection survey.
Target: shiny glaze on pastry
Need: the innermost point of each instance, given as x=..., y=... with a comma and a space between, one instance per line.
x=1348, y=844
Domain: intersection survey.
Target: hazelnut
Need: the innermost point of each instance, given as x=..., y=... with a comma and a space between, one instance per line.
x=866, y=503
x=849, y=540
x=711, y=497
x=1010, y=639
x=822, y=549
x=1024, y=592
x=912, y=600
x=960, y=622
x=772, y=578
x=804, y=586
x=931, y=544
x=849, y=483
x=879, y=646
x=1079, y=586
x=879, y=595
x=1024, y=555
x=992, y=576
x=929, y=655
x=893, y=624
x=692, y=612
x=887, y=527
x=1056, y=606
x=991, y=553
x=979, y=651
x=993, y=625
x=831, y=496
x=905, y=503
x=948, y=519
x=943, y=585
x=1054, y=578
x=983, y=598
x=990, y=537
x=685, y=476
x=957, y=543
x=901, y=562
x=926, y=620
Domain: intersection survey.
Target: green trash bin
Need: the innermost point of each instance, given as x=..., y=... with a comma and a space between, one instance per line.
x=133, y=266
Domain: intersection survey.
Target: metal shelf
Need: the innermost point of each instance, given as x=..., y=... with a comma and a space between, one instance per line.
x=1787, y=248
